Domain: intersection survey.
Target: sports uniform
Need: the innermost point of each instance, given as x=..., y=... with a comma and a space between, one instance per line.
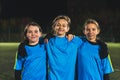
x=32, y=64
x=93, y=61
x=62, y=56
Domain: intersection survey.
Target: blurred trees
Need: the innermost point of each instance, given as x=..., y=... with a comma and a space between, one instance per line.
x=11, y=30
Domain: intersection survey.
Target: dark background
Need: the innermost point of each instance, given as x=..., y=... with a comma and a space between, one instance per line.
x=40, y=10
x=14, y=14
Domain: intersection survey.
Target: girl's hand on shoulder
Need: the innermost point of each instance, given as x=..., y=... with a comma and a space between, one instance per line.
x=46, y=40
x=70, y=37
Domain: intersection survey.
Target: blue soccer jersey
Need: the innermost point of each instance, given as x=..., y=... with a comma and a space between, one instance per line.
x=33, y=65
x=62, y=56
x=90, y=65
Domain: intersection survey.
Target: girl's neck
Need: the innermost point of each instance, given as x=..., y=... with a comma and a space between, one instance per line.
x=59, y=35
x=92, y=40
x=33, y=43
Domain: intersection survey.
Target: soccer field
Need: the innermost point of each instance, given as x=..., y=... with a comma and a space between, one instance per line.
x=7, y=57
x=7, y=54
x=114, y=50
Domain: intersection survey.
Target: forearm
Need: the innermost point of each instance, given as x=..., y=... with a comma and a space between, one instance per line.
x=17, y=74
x=106, y=77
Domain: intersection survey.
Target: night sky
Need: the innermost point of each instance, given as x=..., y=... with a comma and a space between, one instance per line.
x=46, y=10
x=33, y=8
x=43, y=11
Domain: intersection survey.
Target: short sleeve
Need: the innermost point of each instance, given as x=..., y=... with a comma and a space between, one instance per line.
x=18, y=62
x=107, y=65
x=77, y=40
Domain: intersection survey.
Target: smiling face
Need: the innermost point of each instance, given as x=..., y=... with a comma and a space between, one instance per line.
x=33, y=34
x=61, y=27
x=91, y=31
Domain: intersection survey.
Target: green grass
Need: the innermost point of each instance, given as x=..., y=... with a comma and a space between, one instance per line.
x=114, y=50
x=7, y=57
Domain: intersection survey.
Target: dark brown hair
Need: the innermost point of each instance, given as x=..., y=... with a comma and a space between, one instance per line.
x=33, y=24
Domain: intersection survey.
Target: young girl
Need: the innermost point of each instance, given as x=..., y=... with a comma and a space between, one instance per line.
x=93, y=59
x=62, y=53
x=30, y=61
